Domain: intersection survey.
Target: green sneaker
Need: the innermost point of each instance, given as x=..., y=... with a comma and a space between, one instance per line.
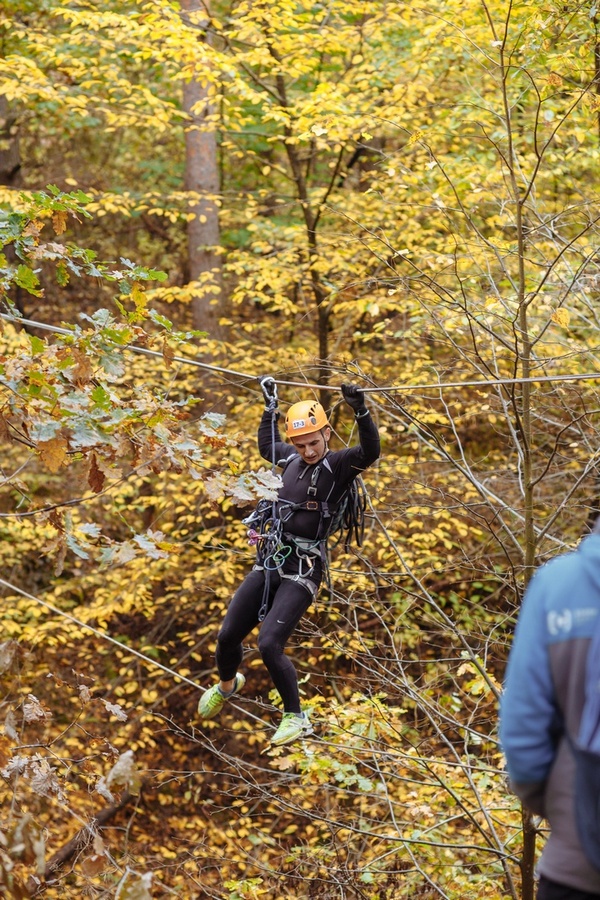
x=211, y=702
x=292, y=727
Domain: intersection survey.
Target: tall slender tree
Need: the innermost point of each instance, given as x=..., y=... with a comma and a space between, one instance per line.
x=202, y=180
x=10, y=157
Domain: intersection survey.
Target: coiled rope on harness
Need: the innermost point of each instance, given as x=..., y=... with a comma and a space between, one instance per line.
x=271, y=550
x=348, y=522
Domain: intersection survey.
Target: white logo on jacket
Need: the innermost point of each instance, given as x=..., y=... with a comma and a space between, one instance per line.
x=564, y=621
x=560, y=622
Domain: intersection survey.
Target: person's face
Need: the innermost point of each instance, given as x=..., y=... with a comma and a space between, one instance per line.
x=312, y=447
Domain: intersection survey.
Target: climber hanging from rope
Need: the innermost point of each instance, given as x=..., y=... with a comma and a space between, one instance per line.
x=289, y=534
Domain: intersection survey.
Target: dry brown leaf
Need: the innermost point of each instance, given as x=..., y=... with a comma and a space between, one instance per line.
x=96, y=477
x=53, y=453
x=59, y=221
x=94, y=864
x=82, y=370
x=4, y=429
x=168, y=354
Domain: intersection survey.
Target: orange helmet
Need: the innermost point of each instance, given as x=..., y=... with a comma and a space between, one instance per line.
x=305, y=418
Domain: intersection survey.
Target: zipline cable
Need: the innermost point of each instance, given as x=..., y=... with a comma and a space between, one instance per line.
x=180, y=359
x=394, y=388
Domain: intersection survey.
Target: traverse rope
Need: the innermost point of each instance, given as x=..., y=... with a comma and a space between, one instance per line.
x=130, y=651
x=101, y=634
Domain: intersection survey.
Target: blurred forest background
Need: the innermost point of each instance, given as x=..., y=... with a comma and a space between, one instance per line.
x=196, y=194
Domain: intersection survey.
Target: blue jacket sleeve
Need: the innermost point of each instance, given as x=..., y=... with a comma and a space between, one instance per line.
x=528, y=706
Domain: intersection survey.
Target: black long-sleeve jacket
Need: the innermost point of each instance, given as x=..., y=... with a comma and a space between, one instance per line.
x=338, y=469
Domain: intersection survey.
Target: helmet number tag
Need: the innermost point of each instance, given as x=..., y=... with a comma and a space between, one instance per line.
x=298, y=423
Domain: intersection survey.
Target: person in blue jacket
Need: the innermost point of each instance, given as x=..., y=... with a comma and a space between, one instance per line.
x=541, y=706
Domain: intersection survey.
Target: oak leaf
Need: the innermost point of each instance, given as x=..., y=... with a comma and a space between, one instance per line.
x=168, y=354
x=53, y=453
x=33, y=710
x=59, y=221
x=81, y=373
x=116, y=710
x=8, y=650
x=96, y=477
x=4, y=430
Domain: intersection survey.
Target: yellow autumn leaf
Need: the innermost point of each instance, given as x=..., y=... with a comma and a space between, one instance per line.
x=53, y=453
x=138, y=296
x=59, y=221
x=415, y=137
x=561, y=317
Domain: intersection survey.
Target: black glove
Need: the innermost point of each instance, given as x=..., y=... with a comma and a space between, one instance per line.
x=355, y=398
x=269, y=389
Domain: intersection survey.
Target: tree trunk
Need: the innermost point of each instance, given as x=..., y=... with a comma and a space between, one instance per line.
x=523, y=409
x=10, y=175
x=10, y=159
x=310, y=221
x=528, y=856
x=202, y=178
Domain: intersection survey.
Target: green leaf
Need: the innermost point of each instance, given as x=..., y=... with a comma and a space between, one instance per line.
x=62, y=273
x=37, y=345
x=156, y=275
x=160, y=320
x=101, y=398
x=120, y=336
x=76, y=547
x=28, y=280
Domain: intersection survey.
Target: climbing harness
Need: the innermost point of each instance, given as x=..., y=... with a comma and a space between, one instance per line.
x=346, y=516
x=274, y=545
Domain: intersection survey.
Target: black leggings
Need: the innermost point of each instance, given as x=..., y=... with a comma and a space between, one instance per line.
x=289, y=602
